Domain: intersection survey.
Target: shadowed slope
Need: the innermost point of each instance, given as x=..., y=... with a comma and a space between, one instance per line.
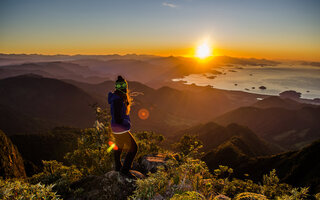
x=48, y=99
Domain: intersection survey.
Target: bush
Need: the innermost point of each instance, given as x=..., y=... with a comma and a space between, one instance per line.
x=92, y=155
x=192, y=175
x=188, y=179
x=189, y=145
x=295, y=193
x=271, y=188
x=56, y=173
x=16, y=189
x=148, y=143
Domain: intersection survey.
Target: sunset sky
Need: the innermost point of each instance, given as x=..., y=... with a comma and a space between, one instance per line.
x=246, y=28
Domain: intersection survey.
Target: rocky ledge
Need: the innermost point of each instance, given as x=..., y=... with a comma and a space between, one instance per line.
x=112, y=185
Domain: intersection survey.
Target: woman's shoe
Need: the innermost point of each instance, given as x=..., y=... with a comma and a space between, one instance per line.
x=128, y=174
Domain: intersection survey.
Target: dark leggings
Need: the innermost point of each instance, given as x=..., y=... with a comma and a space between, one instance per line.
x=125, y=141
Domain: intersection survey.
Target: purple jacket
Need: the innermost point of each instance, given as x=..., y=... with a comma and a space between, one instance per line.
x=120, y=121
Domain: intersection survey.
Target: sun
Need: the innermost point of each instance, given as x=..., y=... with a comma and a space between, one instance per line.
x=203, y=51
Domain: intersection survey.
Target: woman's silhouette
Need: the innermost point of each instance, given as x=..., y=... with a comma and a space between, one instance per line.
x=120, y=103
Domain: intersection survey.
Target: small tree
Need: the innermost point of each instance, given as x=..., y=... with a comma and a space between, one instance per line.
x=189, y=145
x=93, y=155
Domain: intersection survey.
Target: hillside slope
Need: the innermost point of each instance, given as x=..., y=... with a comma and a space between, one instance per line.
x=52, y=145
x=15, y=122
x=290, y=128
x=48, y=99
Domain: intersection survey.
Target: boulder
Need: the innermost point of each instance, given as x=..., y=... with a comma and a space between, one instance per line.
x=150, y=163
x=112, y=185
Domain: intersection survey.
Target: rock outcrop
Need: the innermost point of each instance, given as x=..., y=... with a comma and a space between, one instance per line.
x=111, y=186
x=115, y=185
x=11, y=162
x=150, y=163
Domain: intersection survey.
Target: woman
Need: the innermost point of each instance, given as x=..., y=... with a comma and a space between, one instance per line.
x=120, y=103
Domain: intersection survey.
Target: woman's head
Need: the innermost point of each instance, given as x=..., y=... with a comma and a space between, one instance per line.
x=121, y=86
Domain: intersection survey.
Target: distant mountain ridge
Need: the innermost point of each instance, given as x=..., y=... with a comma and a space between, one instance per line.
x=213, y=135
x=56, y=69
x=155, y=71
x=275, y=101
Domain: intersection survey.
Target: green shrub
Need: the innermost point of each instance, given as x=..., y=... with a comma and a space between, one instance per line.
x=149, y=187
x=56, y=173
x=192, y=175
x=296, y=193
x=148, y=143
x=17, y=189
x=92, y=155
x=234, y=187
x=271, y=186
x=189, y=146
x=223, y=172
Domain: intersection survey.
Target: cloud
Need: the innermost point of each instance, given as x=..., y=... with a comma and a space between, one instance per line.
x=171, y=5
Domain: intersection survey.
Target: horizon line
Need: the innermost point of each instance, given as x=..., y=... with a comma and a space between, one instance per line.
x=164, y=56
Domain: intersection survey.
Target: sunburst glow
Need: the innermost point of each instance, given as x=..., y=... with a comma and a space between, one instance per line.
x=203, y=50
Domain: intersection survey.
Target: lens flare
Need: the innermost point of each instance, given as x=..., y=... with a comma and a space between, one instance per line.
x=143, y=113
x=112, y=146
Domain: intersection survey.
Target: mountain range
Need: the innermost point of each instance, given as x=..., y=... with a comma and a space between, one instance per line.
x=285, y=122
